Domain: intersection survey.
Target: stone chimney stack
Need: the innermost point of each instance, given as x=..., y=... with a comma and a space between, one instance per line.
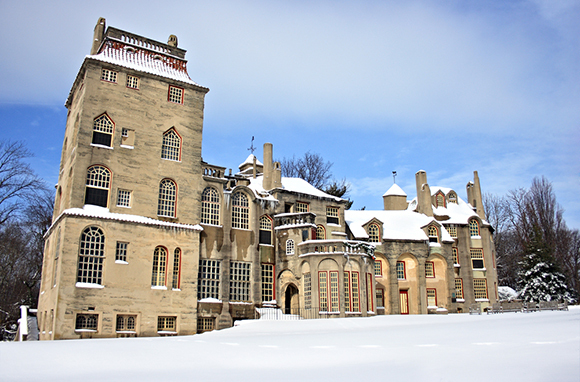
x=474, y=195
x=268, y=167
x=172, y=41
x=98, y=36
x=277, y=183
x=423, y=194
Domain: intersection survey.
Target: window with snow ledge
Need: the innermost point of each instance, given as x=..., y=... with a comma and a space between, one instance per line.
x=124, y=198
x=86, y=322
x=89, y=286
x=332, y=215
x=103, y=128
x=166, y=324
x=477, y=258
x=474, y=228
x=121, y=252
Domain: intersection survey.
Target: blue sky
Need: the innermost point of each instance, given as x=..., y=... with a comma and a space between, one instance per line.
x=373, y=86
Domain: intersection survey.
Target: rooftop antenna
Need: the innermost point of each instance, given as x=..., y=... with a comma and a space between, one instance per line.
x=252, y=148
x=394, y=177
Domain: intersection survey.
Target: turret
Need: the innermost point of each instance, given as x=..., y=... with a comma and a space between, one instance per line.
x=172, y=41
x=395, y=199
x=423, y=194
x=98, y=35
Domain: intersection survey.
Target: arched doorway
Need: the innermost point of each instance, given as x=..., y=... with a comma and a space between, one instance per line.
x=291, y=301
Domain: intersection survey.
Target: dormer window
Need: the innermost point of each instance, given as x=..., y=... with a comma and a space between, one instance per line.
x=440, y=199
x=373, y=231
x=473, y=228
x=433, y=234
x=452, y=197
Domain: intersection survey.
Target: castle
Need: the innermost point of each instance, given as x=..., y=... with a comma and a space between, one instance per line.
x=148, y=239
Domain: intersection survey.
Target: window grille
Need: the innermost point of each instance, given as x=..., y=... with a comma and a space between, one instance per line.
x=108, y=75
x=91, y=255
x=290, y=247
x=175, y=94
x=459, y=288
x=429, y=269
x=87, y=322
x=170, y=148
x=473, y=228
x=373, y=233
x=103, y=130
x=175, y=284
x=477, y=258
x=132, y=82
x=240, y=211
x=480, y=288
x=209, y=279
x=401, y=270
x=97, y=187
x=239, y=281
x=210, y=206
x=159, y=264
x=121, y=251
x=267, y=282
x=301, y=207
x=167, y=198
x=166, y=324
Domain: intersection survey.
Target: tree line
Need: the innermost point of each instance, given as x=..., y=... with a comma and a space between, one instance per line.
x=537, y=254
x=25, y=215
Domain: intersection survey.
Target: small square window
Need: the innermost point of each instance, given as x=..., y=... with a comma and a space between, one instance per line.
x=124, y=132
x=205, y=324
x=175, y=94
x=108, y=75
x=166, y=324
x=121, y=251
x=124, y=198
x=301, y=207
x=133, y=82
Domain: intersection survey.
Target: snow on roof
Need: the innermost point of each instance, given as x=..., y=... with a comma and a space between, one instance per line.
x=459, y=213
x=395, y=190
x=297, y=185
x=103, y=213
x=397, y=225
x=250, y=160
x=436, y=189
x=143, y=60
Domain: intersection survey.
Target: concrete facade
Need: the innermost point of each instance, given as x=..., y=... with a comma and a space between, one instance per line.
x=149, y=240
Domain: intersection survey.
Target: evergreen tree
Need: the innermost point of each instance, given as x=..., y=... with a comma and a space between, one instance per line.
x=539, y=277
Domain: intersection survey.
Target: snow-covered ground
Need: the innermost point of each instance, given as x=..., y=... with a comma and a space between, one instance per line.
x=542, y=346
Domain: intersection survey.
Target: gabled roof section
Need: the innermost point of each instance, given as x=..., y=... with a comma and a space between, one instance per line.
x=395, y=190
x=295, y=185
x=250, y=160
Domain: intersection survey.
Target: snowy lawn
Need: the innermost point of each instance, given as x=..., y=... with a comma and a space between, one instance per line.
x=541, y=346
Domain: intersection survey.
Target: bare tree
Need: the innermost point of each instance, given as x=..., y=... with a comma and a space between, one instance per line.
x=341, y=189
x=312, y=168
x=17, y=180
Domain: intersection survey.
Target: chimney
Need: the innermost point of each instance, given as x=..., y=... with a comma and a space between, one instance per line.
x=172, y=41
x=277, y=183
x=423, y=194
x=268, y=170
x=474, y=195
x=98, y=35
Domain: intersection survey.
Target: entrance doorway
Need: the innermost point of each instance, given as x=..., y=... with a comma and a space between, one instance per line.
x=404, y=301
x=291, y=301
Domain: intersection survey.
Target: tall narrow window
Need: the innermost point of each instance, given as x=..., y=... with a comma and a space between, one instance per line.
x=167, y=198
x=459, y=288
x=378, y=268
x=455, y=256
x=431, y=297
x=328, y=291
x=103, y=130
x=159, y=264
x=121, y=252
x=370, y=294
x=307, y=290
x=429, y=269
x=334, y=293
x=401, y=270
x=373, y=233
x=380, y=298
x=210, y=206
x=320, y=233
x=289, y=247
x=332, y=215
x=433, y=234
x=480, y=288
x=171, y=147
x=176, y=282
x=440, y=198
x=209, y=279
x=239, y=281
x=240, y=211
x=473, y=228
x=56, y=256
x=477, y=258
x=267, y=282
x=351, y=292
x=265, y=230
x=97, y=187
x=91, y=256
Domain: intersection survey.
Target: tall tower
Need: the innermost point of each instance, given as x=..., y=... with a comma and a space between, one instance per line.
x=125, y=213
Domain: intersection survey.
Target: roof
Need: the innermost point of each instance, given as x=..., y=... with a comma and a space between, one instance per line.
x=297, y=185
x=436, y=189
x=103, y=213
x=397, y=225
x=395, y=190
x=250, y=160
x=144, y=60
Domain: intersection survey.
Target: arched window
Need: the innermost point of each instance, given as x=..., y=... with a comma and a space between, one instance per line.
x=167, y=198
x=171, y=147
x=103, y=128
x=176, y=269
x=91, y=255
x=440, y=199
x=289, y=247
x=320, y=233
x=265, y=230
x=240, y=211
x=374, y=233
x=97, y=187
x=159, y=264
x=210, y=206
x=433, y=234
x=473, y=227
